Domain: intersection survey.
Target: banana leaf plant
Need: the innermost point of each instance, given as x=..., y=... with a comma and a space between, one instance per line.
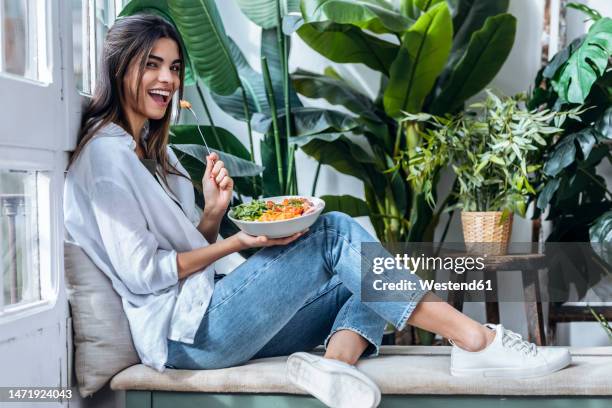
x=571, y=185
x=432, y=56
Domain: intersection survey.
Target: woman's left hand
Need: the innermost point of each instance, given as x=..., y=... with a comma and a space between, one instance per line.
x=218, y=186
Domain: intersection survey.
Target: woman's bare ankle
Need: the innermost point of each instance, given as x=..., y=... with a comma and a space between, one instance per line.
x=476, y=340
x=340, y=357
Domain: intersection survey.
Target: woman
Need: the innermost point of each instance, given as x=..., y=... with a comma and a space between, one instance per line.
x=138, y=224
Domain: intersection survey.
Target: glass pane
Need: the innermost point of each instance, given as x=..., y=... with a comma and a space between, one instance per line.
x=104, y=19
x=19, y=42
x=79, y=45
x=19, y=266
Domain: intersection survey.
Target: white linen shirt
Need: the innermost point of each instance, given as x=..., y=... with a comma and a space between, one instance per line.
x=131, y=228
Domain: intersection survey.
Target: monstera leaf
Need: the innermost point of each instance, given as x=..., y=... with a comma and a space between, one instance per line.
x=586, y=64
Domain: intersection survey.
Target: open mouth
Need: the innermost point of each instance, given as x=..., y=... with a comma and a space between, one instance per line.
x=161, y=97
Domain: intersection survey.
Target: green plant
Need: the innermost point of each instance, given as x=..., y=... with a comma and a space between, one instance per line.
x=603, y=322
x=571, y=185
x=432, y=59
x=492, y=150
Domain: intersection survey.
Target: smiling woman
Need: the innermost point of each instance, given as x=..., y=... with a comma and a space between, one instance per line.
x=142, y=57
x=149, y=91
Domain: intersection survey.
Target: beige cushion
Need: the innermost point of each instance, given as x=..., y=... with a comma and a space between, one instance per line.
x=399, y=370
x=102, y=340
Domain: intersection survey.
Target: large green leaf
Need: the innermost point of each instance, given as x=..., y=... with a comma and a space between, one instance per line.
x=158, y=7
x=353, y=206
x=547, y=193
x=254, y=89
x=601, y=237
x=562, y=156
x=422, y=56
x=338, y=151
x=485, y=55
x=604, y=124
x=271, y=184
x=188, y=134
x=561, y=58
x=601, y=231
x=271, y=50
x=334, y=91
x=204, y=37
x=586, y=64
x=374, y=15
x=264, y=12
x=235, y=166
x=309, y=121
x=345, y=43
x=414, y=8
x=470, y=15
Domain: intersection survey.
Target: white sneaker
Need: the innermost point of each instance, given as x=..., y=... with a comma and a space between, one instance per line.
x=508, y=356
x=332, y=382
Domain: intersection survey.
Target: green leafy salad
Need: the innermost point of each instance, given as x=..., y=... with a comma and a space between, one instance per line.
x=249, y=211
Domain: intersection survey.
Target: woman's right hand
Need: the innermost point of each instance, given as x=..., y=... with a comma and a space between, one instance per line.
x=250, y=241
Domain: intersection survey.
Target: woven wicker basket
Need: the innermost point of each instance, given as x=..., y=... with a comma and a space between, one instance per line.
x=483, y=232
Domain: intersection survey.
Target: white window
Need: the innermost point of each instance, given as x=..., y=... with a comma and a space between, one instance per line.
x=91, y=20
x=20, y=229
x=27, y=276
x=23, y=50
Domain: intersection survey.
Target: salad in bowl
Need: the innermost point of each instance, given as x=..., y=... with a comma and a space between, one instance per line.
x=277, y=217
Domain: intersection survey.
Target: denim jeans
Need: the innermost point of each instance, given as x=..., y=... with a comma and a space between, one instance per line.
x=292, y=298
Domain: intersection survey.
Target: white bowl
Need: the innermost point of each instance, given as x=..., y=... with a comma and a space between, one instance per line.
x=281, y=228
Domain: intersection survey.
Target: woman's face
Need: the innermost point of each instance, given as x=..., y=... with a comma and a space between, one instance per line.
x=161, y=78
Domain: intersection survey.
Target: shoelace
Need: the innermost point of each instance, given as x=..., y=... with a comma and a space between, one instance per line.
x=515, y=341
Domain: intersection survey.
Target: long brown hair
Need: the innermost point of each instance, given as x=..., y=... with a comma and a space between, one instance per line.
x=130, y=37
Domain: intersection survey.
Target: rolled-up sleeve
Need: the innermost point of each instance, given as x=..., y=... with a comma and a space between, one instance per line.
x=133, y=250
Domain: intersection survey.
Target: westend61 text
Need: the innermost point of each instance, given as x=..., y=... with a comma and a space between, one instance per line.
x=430, y=285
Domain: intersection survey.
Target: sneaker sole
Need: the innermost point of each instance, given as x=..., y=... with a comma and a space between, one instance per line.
x=338, y=389
x=512, y=372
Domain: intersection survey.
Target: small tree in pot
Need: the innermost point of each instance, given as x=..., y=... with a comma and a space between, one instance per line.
x=494, y=150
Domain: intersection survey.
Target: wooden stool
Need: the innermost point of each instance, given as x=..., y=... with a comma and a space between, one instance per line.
x=529, y=265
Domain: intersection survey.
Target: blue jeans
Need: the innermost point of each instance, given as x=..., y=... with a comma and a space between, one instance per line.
x=292, y=298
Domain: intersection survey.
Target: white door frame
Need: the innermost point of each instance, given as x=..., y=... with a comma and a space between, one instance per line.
x=36, y=124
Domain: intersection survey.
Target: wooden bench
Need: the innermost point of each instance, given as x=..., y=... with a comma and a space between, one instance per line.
x=414, y=376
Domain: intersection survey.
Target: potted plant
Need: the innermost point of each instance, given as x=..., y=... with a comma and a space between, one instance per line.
x=493, y=149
